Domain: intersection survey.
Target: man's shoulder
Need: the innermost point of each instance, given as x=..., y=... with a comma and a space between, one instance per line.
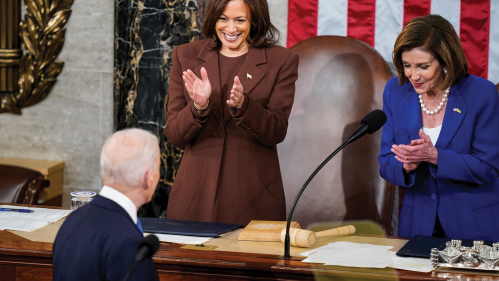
x=96, y=218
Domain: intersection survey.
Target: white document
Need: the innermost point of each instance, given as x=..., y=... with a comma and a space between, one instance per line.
x=39, y=218
x=411, y=264
x=364, y=255
x=350, y=254
x=181, y=239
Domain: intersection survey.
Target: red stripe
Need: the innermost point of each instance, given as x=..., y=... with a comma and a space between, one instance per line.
x=302, y=20
x=416, y=8
x=361, y=20
x=474, y=33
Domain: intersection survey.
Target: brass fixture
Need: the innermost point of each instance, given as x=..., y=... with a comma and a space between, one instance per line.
x=27, y=79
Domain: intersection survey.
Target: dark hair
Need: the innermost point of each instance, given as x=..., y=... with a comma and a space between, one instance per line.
x=262, y=33
x=433, y=34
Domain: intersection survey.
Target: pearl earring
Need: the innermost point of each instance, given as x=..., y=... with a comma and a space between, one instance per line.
x=445, y=70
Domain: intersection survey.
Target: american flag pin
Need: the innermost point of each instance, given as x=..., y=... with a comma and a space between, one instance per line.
x=457, y=110
x=248, y=76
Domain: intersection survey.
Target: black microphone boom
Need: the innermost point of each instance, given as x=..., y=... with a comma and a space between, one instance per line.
x=147, y=247
x=369, y=124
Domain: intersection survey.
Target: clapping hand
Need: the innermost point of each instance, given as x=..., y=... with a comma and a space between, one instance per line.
x=236, y=98
x=420, y=150
x=199, y=90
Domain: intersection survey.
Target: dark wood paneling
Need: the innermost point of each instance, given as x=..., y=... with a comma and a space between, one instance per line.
x=31, y=273
x=7, y=272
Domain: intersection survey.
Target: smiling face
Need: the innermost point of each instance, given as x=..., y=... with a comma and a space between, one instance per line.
x=423, y=70
x=233, y=28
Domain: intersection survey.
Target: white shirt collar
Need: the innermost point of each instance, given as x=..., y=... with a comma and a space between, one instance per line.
x=120, y=199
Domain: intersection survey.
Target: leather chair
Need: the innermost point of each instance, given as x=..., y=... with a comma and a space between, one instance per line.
x=21, y=185
x=340, y=80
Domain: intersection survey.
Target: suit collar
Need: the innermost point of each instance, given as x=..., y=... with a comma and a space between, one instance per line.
x=411, y=114
x=120, y=199
x=452, y=118
x=110, y=205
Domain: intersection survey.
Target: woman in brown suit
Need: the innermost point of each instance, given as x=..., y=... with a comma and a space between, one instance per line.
x=230, y=99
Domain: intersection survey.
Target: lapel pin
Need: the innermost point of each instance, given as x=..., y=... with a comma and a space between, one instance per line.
x=248, y=76
x=457, y=110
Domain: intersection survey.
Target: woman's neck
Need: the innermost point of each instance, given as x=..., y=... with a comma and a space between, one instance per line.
x=433, y=95
x=234, y=53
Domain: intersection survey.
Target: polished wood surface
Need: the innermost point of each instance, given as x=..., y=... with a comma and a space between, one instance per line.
x=22, y=259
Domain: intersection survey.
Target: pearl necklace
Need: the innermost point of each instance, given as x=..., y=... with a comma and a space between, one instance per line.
x=431, y=112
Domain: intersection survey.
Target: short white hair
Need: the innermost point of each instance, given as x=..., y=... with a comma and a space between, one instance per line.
x=127, y=155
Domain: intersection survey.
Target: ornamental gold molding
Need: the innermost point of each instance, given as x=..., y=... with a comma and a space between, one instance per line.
x=42, y=33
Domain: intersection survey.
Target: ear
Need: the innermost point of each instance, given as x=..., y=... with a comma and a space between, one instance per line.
x=148, y=179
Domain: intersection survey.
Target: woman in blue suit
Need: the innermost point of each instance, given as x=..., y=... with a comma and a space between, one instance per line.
x=441, y=140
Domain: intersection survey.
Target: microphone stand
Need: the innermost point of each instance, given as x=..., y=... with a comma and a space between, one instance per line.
x=287, y=255
x=131, y=270
x=369, y=124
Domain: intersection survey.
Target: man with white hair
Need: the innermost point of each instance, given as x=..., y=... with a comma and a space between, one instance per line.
x=99, y=241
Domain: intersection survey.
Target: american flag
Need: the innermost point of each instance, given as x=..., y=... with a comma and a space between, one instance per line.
x=378, y=23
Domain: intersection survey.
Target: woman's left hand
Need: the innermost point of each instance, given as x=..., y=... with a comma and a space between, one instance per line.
x=236, y=98
x=421, y=150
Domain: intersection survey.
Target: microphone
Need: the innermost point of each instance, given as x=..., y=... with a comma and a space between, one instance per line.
x=369, y=124
x=147, y=247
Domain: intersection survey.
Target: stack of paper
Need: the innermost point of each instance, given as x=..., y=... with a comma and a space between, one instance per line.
x=364, y=255
x=181, y=239
x=39, y=218
x=412, y=264
x=350, y=254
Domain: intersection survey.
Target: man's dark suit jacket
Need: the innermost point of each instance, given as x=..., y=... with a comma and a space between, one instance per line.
x=99, y=242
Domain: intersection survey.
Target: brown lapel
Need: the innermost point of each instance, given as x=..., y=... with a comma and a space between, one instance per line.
x=210, y=59
x=249, y=74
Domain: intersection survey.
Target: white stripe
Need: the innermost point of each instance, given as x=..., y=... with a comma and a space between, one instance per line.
x=493, y=74
x=332, y=18
x=450, y=10
x=389, y=22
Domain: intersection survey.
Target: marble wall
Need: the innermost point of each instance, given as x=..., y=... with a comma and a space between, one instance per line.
x=72, y=123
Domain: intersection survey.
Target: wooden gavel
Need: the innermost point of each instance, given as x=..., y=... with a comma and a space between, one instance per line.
x=306, y=238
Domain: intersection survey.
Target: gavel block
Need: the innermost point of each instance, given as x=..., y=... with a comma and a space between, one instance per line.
x=306, y=238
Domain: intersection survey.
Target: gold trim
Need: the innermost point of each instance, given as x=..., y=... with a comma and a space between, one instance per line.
x=42, y=33
x=10, y=53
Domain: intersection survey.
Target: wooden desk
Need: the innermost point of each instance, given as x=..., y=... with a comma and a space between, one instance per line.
x=22, y=259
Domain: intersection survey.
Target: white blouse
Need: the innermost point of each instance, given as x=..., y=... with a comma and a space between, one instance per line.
x=433, y=133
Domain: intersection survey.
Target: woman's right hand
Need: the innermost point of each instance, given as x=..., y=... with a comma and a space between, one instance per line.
x=199, y=90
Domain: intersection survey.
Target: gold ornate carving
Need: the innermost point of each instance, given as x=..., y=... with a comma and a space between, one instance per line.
x=42, y=33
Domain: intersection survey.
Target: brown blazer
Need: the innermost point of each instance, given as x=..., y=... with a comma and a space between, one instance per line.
x=230, y=156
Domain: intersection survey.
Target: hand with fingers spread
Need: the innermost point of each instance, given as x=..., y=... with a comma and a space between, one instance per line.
x=420, y=150
x=236, y=98
x=199, y=90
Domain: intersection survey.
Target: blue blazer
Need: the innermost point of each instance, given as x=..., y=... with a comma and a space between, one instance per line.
x=99, y=242
x=463, y=189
